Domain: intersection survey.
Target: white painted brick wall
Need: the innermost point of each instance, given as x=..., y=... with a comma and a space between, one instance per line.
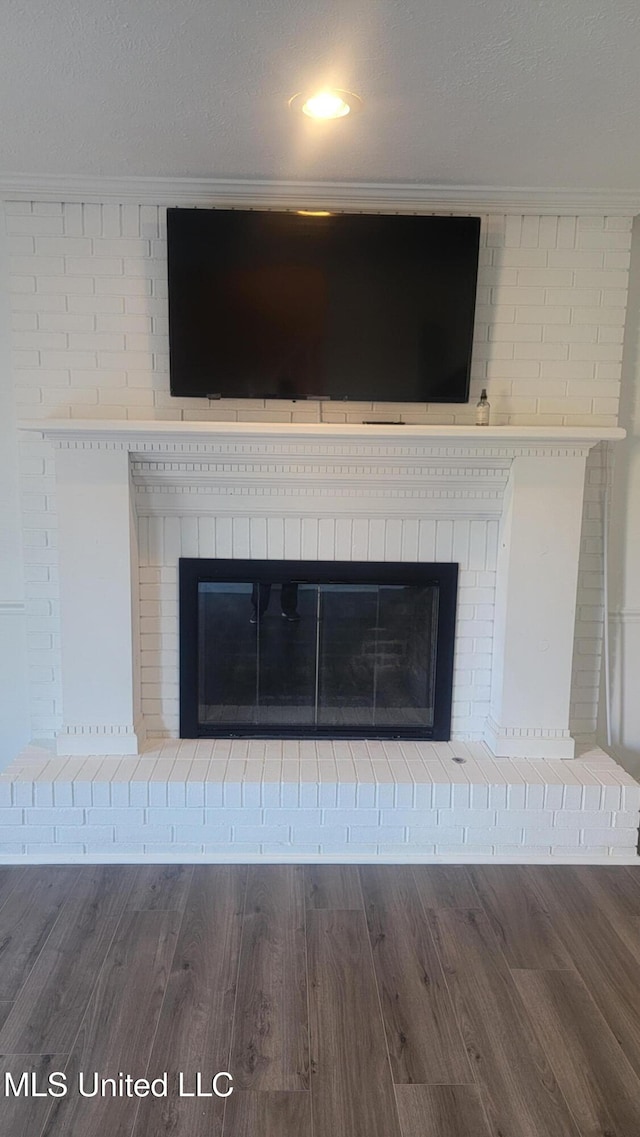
x=89, y=311
x=164, y=539
x=90, y=318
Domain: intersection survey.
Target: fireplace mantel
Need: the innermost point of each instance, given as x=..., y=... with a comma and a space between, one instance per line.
x=528, y=481
x=141, y=435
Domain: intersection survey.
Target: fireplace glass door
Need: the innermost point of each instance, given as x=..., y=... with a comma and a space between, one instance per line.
x=284, y=655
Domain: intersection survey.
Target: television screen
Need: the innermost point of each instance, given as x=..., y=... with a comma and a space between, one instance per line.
x=345, y=306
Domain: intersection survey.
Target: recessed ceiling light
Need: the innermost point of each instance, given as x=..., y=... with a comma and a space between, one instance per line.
x=313, y=213
x=327, y=104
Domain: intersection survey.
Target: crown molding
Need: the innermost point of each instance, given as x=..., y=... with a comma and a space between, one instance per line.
x=400, y=197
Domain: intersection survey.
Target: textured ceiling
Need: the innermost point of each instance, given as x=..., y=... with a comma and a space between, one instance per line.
x=537, y=93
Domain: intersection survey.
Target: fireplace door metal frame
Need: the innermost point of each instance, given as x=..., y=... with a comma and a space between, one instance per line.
x=194, y=571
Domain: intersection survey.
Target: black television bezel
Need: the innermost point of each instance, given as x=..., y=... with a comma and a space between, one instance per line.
x=214, y=394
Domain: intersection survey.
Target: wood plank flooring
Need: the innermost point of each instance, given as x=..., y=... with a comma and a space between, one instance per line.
x=381, y=1001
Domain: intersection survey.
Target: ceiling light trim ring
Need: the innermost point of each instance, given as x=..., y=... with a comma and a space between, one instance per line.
x=351, y=102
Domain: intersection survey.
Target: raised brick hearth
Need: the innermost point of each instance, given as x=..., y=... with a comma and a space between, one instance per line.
x=235, y=800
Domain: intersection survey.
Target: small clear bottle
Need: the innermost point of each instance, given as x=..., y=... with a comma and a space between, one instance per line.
x=483, y=409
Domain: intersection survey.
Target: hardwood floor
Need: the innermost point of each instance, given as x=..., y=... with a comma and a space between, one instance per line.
x=271, y=1034
x=384, y=1001
x=423, y=1036
x=196, y=1021
x=28, y=916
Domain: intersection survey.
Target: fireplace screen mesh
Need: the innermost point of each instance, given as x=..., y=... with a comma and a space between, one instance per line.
x=287, y=655
x=330, y=655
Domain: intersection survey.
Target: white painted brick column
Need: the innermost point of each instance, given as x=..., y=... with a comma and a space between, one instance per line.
x=537, y=571
x=98, y=564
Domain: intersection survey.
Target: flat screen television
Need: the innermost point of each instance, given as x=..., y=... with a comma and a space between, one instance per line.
x=347, y=306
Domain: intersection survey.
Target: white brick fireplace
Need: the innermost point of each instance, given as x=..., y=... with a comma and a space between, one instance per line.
x=504, y=503
x=116, y=487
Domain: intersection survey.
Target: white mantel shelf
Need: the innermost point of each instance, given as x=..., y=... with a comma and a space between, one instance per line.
x=202, y=432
